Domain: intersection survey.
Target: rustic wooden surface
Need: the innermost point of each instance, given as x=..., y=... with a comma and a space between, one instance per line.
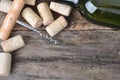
x=87, y=52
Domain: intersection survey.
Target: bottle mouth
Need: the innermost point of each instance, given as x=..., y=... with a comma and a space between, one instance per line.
x=75, y=1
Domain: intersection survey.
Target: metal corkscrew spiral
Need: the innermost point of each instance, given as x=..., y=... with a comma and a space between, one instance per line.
x=44, y=36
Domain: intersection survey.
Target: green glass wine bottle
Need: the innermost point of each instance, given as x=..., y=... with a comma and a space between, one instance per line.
x=98, y=11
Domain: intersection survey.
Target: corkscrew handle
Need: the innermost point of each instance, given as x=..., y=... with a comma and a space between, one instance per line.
x=11, y=18
x=35, y=30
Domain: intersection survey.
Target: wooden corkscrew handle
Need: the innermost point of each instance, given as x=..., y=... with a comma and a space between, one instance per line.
x=11, y=18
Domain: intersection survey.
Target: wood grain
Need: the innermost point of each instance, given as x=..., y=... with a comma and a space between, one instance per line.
x=87, y=52
x=83, y=55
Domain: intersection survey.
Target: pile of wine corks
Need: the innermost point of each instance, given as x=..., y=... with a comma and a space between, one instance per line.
x=9, y=46
x=45, y=17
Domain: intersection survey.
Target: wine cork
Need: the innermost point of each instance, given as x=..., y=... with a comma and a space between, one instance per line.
x=5, y=5
x=31, y=17
x=55, y=27
x=61, y=8
x=13, y=43
x=30, y=2
x=45, y=13
x=5, y=64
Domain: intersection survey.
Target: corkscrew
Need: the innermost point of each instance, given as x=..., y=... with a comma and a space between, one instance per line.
x=44, y=36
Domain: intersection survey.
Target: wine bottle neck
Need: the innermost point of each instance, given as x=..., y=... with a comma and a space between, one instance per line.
x=73, y=1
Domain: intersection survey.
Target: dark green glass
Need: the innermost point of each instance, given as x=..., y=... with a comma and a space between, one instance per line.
x=100, y=11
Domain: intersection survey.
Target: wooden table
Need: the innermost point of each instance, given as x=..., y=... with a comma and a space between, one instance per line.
x=88, y=52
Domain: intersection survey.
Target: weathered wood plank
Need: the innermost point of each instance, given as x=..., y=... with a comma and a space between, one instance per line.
x=83, y=55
